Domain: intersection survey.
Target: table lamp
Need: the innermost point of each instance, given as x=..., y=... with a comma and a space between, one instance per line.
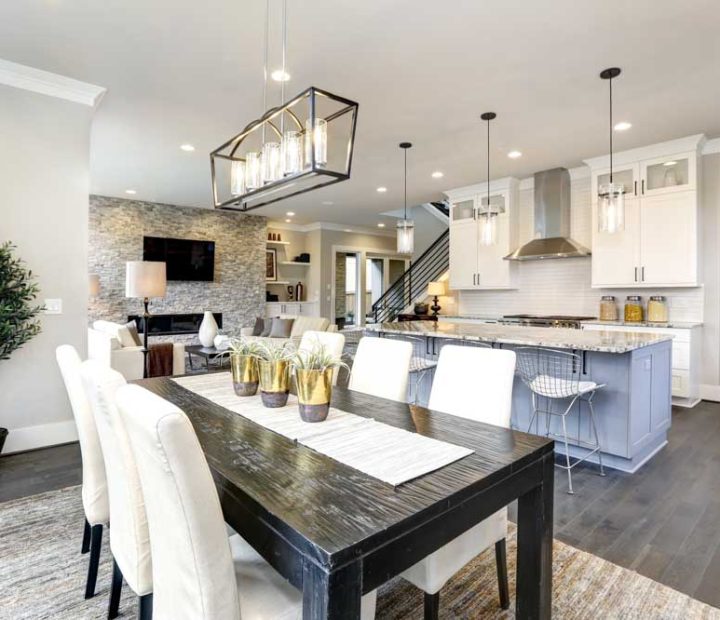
x=435, y=289
x=145, y=279
x=94, y=284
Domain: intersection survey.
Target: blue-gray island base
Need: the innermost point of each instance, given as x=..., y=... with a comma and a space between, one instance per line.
x=633, y=410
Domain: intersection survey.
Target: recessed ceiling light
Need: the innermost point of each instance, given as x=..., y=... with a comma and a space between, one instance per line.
x=327, y=202
x=514, y=154
x=130, y=191
x=437, y=175
x=381, y=225
x=288, y=220
x=622, y=126
x=669, y=163
x=347, y=230
x=280, y=76
x=189, y=148
x=290, y=213
x=382, y=190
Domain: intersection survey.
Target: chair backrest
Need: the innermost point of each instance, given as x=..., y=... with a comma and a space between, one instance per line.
x=94, y=482
x=381, y=367
x=193, y=568
x=332, y=342
x=475, y=383
x=129, y=538
x=548, y=372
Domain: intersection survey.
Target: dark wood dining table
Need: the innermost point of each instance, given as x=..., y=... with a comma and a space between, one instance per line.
x=336, y=533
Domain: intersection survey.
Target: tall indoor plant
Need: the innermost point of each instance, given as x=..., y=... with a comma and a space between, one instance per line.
x=18, y=313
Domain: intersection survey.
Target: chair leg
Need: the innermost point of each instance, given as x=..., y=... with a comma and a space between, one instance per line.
x=502, y=574
x=115, y=591
x=432, y=606
x=95, y=544
x=86, y=538
x=597, y=437
x=145, y=607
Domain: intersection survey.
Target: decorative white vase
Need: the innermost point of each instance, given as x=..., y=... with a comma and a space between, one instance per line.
x=208, y=330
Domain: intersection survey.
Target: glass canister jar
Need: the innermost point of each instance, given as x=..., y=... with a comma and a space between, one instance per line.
x=608, y=308
x=633, y=309
x=657, y=310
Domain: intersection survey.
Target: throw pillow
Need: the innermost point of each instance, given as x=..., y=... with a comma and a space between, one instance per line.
x=123, y=335
x=281, y=328
x=267, y=328
x=132, y=328
x=258, y=327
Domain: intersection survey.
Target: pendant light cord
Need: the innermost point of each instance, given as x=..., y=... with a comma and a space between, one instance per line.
x=284, y=47
x=488, y=168
x=611, y=132
x=265, y=62
x=405, y=191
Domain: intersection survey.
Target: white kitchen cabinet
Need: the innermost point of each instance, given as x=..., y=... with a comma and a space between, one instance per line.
x=474, y=266
x=660, y=244
x=686, y=350
x=294, y=308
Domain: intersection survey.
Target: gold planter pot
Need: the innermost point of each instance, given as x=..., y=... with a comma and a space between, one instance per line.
x=274, y=382
x=245, y=374
x=314, y=389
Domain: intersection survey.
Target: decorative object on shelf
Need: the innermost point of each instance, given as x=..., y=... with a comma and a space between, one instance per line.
x=208, y=329
x=611, y=196
x=312, y=145
x=302, y=258
x=291, y=292
x=274, y=371
x=421, y=309
x=271, y=265
x=436, y=289
x=608, y=308
x=657, y=309
x=244, y=366
x=405, y=227
x=670, y=178
x=18, y=314
x=93, y=285
x=633, y=309
x=145, y=279
x=313, y=377
x=299, y=292
x=488, y=213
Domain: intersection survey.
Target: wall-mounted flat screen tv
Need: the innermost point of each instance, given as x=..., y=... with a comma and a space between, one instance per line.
x=186, y=259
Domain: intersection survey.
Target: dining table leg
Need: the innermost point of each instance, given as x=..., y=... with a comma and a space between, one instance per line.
x=534, y=547
x=332, y=595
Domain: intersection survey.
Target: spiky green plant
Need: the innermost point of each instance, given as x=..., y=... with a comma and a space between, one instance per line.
x=18, y=314
x=317, y=358
x=270, y=351
x=243, y=346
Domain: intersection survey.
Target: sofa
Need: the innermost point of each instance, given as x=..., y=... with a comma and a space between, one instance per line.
x=301, y=324
x=114, y=345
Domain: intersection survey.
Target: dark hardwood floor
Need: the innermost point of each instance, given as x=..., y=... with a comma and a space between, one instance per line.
x=663, y=521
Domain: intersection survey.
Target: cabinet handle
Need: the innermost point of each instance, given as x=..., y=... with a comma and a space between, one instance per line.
x=635, y=190
x=635, y=274
x=474, y=276
x=643, y=186
x=642, y=274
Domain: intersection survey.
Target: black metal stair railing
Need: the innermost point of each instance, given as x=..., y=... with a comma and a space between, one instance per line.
x=432, y=263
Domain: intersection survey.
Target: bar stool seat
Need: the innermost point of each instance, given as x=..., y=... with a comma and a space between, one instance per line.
x=553, y=387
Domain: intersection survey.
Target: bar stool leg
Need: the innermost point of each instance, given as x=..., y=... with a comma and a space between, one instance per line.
x=567, y=456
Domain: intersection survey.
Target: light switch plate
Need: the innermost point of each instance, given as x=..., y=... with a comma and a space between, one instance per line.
x=53, y=306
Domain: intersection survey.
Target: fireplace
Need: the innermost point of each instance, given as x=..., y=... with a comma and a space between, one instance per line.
x=173, y=324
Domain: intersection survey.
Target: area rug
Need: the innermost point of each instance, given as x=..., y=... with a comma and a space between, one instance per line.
x=42, y=575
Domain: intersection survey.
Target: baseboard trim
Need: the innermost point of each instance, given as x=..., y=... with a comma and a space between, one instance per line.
x=40, y=436
x=710, y=392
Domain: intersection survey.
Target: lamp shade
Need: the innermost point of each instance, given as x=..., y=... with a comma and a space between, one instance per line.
x=94, y=284
x=145, y=279
x=436, y=288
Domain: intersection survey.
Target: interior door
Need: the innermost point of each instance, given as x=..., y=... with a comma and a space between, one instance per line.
x=463, y=254
x=616, y=256
x=668, y=238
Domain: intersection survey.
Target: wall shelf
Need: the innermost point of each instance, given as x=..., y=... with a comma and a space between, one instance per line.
x=277, y=242
x=284, y=282
x=293, y=262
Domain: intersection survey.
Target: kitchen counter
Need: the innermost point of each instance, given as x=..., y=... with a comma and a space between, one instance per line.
x=558, y=338
x=668, y=325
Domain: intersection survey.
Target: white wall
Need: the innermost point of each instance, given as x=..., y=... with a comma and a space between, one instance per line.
x=427, y=229
x=44, y=164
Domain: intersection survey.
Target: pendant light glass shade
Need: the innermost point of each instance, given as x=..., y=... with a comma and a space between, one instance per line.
x=611, y=208
x=487, y=216
x=237, y=178
x=488, y=229
x=405, y=236
x=252, y=171
x=291, y=152
x=270, y=162
x=318, y=139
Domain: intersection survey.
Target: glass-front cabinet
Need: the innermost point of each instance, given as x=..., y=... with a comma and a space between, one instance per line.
x=462, y=210
x=665, y=175
x=628, y=176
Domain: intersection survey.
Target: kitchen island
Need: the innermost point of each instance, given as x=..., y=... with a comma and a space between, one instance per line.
x=633, y=410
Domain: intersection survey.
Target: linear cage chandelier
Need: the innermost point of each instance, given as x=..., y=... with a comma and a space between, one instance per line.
x=294, y=148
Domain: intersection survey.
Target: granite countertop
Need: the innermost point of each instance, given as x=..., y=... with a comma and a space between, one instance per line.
x=668, y=325
x=559, y=338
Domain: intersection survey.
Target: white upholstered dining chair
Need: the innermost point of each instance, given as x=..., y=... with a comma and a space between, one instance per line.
x=381, y=368
x=129, y=538
x=198, y=574
x=474, y=383
x=94, y=483
x=332, y=342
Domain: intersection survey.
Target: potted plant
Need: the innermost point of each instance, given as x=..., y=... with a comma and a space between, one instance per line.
x=244, y=366
x=274, y=367
x=314, y=372
x=18, y=315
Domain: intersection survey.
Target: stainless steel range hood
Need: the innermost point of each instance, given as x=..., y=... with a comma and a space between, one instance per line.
x=552, y=220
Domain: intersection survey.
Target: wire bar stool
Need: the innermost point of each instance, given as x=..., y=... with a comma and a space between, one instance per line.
x=554, y=376
x=421, y=362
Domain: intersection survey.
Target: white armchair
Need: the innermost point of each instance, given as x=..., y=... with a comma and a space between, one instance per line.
x=112, y=345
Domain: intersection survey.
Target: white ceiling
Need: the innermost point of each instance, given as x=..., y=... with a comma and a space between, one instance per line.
x=190, y=71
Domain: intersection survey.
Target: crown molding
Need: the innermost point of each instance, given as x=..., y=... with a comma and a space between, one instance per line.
x=51, y=84
x=306, y=228
x=711, y=147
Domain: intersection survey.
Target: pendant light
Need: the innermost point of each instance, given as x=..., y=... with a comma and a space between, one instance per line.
x=611, y=196
x=488, y=215
x=405, y=227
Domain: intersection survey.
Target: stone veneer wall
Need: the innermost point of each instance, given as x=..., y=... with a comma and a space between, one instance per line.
x=116, y=231
x=340, y=277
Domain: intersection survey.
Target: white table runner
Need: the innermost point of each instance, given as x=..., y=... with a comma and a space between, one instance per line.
x=382, y=451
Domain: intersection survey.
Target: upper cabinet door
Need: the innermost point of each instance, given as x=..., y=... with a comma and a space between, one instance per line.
x=462, y=210
x=628, y=176
x=665, y=175
x=616, y=256
x=668, y=238
x=493, y=271
x=463, y=255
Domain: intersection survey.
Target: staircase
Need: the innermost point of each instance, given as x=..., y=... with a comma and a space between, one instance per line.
x=411, y=286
